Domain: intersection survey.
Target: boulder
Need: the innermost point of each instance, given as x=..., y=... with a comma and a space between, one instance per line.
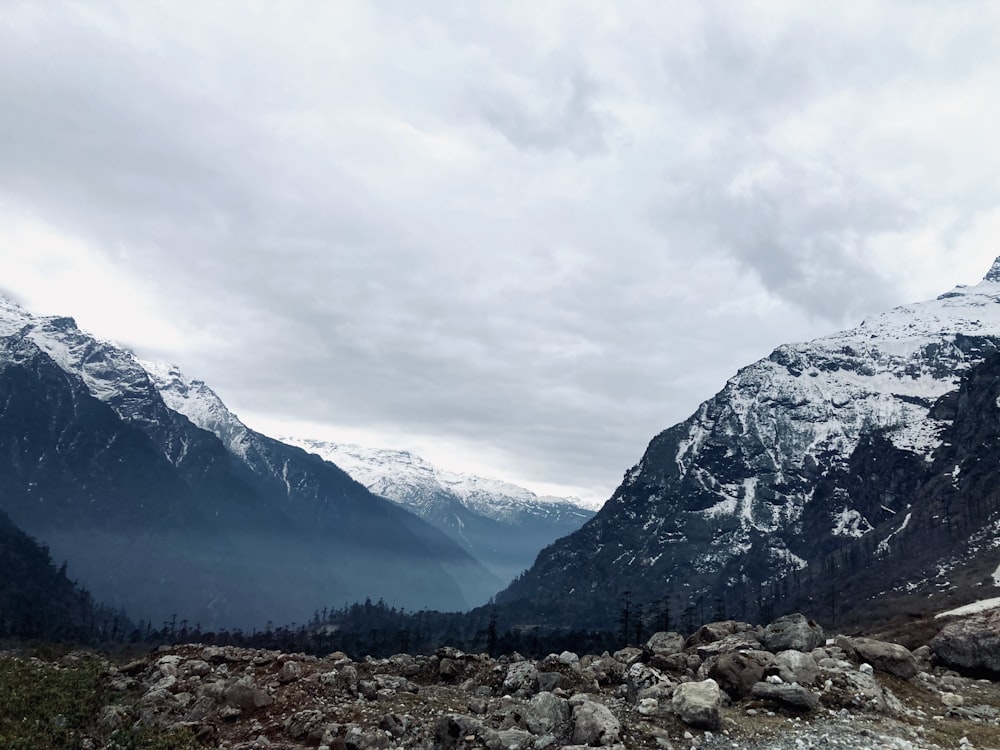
x=971, y=644
x=628, y=655
x=521, y=678
x=728, y=643
x=451, y=731
x=514, y=739
x=290, y=671
x=549, y=681
x=795, y=666
x=698, y=704
x=793, y=631
x=643, y=681
x=852, y=689
x=792, y=695
x=547, y=714
x=716, y=631
x=593, y=723
x=887, y=657
x=247, y=697
x=569, y=658
x=665, y=643
x=738, y=672
x=922, y=656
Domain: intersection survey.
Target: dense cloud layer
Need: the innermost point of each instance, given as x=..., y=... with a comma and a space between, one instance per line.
x=521, y=238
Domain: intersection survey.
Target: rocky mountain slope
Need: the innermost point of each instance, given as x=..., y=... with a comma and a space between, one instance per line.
x=803, y=466
x=502, y=525
x=158, y=514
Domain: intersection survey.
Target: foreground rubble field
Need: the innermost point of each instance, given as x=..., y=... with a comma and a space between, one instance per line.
x=730, y=685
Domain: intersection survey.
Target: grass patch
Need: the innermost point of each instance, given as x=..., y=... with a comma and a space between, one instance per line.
x=48, y=707
x=43, y=707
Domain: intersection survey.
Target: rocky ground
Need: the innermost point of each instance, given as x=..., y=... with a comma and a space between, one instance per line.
x=729, y=685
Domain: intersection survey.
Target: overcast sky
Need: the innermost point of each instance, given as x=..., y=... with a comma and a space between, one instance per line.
x=518, y=238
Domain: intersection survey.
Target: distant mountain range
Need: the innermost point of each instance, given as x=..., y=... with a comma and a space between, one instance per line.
x=168, y=513
x=500, y=524
x=854, y=476
x=860, y=465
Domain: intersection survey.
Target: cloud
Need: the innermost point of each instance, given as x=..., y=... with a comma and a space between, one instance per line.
x=535, y=234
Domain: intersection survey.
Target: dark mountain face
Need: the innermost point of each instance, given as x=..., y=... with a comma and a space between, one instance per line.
x=158, y=515
x=37, y=600
x=806, y=469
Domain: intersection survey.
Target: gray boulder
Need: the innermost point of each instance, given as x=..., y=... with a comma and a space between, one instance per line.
x=887, y=657
x=521, y=678
x=698, y=704
x=644, y=681
x=247, y=697
x=793, y=631
x=728, y=643
x=795, y=666
x=593, y=723
x=792, y=695
x=450, y=731
x=547, y=714
x=549, y=681
x=717, y=631
x=971, y=644
x=665, y=643
x=738, y=672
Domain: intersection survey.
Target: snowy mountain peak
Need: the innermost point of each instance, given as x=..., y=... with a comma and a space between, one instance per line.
x=12, y=316
x=397, y=474
x=729, y=492
x=994, y=273
x=201, y=405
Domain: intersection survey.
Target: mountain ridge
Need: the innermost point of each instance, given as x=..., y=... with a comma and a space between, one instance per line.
x=269, y=510
x=718, y=501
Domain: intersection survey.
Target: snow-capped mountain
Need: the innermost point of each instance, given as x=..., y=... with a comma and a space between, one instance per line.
x=744, y=490
x=165, y=513
x=500, y=523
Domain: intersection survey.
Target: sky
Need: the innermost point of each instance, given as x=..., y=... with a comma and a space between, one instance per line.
x=518, y=238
